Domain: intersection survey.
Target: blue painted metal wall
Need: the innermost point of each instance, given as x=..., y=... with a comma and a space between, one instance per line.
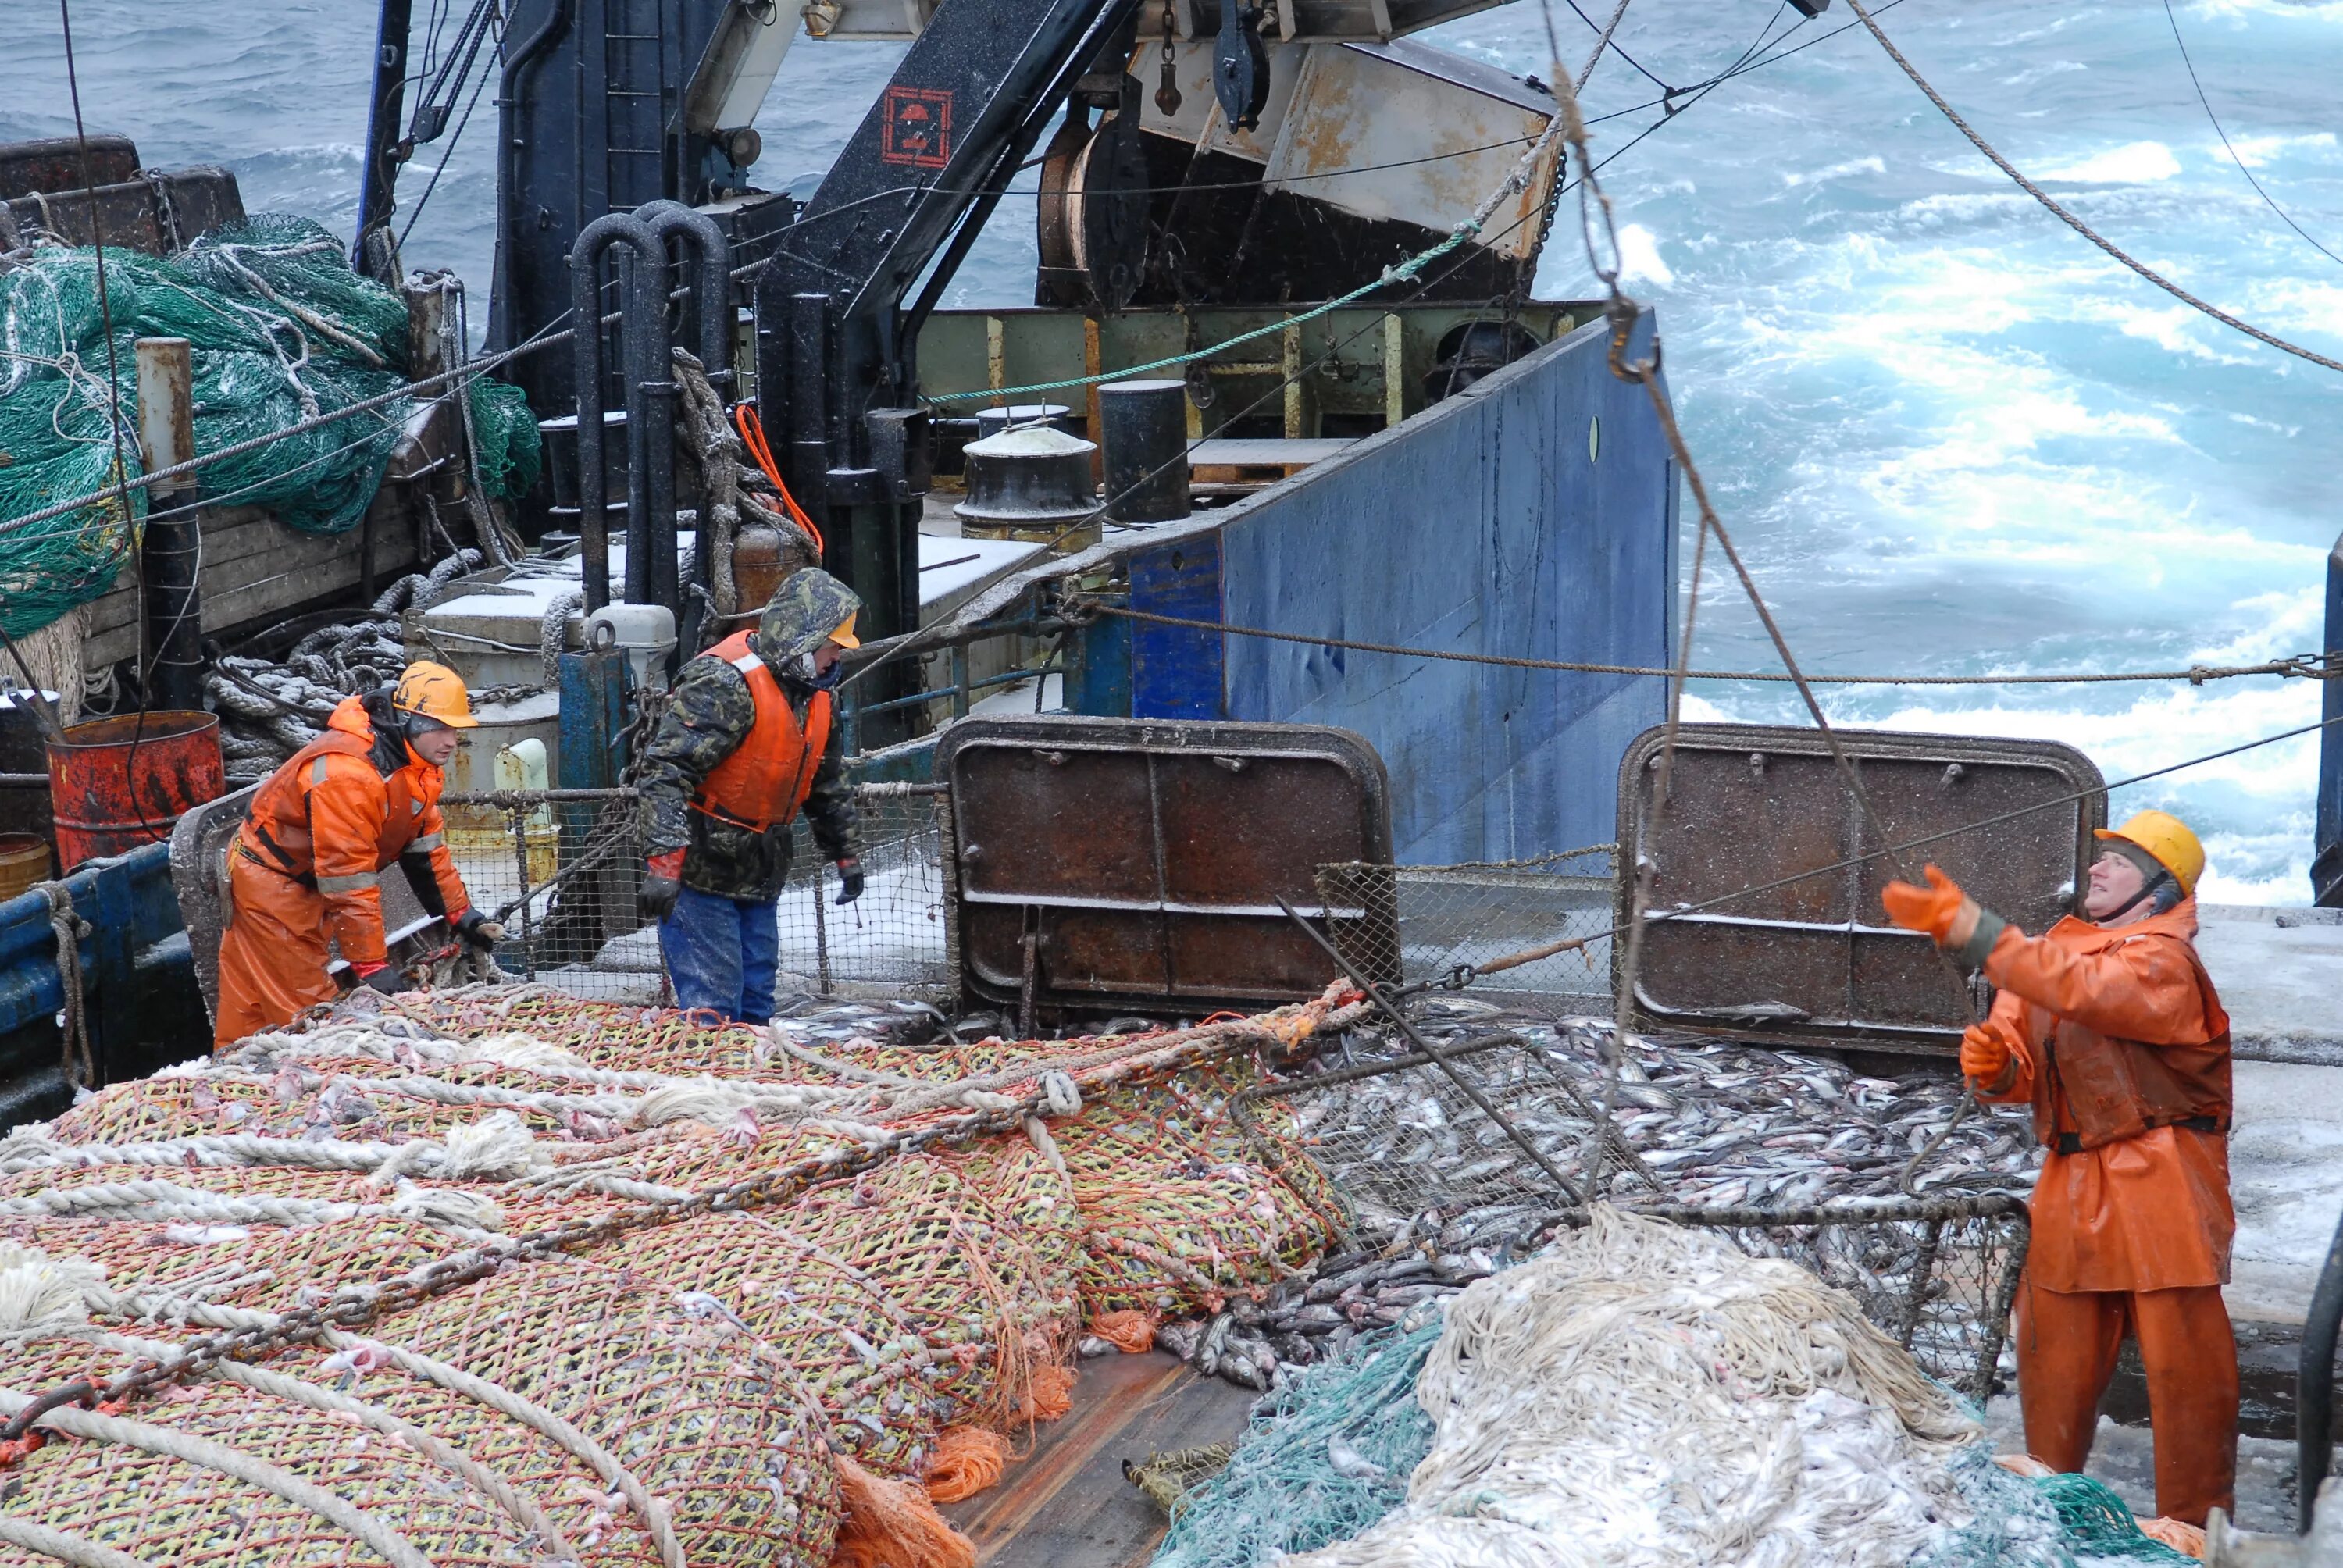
x=1490, y=524
x=137, y=979
x=2327, y=864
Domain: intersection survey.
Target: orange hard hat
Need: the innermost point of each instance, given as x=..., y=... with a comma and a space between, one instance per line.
x=2167, y=841
x=844, y=636
x=434, y=691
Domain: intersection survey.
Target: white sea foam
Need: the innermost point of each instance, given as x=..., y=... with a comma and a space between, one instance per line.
x=2135, y=163
x=1639, y=258
x=1871, y=165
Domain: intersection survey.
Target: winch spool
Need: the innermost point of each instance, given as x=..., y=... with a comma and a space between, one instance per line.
x=1034, y=484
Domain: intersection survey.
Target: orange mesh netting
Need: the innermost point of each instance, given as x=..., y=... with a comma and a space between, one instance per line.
x=776, y=1287
x=605, y=1390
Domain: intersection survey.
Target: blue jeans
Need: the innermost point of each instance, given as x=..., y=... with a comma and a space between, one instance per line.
x=721, y=954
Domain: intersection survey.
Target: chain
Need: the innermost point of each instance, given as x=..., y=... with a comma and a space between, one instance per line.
x=1167, y=94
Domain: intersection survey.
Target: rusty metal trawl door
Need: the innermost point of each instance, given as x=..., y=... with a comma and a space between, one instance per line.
x=1815, y=961
x=1131, y=862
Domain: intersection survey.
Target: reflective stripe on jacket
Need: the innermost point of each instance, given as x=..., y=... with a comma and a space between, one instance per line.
x=329, y=820
x=766, y=780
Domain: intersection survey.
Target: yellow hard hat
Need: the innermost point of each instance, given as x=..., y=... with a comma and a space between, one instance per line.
x=2168, y=840
x=844, y=636
x=434, y=691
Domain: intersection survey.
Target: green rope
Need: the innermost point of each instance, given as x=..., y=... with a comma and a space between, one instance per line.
x=1402, y=273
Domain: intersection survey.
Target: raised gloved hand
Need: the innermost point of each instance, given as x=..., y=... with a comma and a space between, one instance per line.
x=849, y=880
x=384, y=978
x=1940, y=908
x=1985, y=1050
x=662, y=885
x=479, y=930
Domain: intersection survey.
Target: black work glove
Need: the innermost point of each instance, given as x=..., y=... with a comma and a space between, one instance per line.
x=479, y=930
x=662, y=884
x=389, y=981
x=849, y=880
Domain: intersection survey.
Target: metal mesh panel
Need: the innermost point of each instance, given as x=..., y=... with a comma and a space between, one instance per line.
x=1423, y=921
x=579, y=854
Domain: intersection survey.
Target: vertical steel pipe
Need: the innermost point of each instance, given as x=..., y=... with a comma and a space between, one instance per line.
x=652, y=577
x=1143, y=428
x=171, y=550
x=586, y=308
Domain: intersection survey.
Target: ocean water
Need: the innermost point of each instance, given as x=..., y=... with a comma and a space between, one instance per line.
x=1949, y=435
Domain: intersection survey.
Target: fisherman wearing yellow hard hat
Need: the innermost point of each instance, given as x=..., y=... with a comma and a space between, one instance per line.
x=744, y=747
x=2110, y=1028
x=361, y=796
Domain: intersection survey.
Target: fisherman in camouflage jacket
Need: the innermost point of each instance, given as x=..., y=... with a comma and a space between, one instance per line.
x=745, y=745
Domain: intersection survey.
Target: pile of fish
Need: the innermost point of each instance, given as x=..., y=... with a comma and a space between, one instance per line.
x=1441, y=1194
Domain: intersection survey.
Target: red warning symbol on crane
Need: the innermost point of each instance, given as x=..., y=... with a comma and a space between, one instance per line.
x=917, y=128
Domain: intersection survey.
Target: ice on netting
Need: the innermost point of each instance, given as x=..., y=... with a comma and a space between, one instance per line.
x=1635, y=1394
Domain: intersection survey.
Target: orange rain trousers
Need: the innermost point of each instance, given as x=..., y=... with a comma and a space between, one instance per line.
x=273, y=955
x=2067, y=1347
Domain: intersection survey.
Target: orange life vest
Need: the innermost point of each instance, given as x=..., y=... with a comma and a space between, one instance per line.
x=769, y=774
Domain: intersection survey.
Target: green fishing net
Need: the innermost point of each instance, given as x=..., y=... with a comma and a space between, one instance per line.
x=1324, y=1458
x=281, y=331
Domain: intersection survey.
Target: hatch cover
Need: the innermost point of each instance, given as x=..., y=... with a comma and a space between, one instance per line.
x=1145, y=859
x=1814, y=960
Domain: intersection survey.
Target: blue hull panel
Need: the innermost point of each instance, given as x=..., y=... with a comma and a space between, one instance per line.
x=1532, y=514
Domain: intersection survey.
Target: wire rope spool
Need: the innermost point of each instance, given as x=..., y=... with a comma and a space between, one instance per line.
x=1091, y=223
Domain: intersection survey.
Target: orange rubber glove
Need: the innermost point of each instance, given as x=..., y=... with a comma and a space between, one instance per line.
x=1986, y=1055
x=1940, y=908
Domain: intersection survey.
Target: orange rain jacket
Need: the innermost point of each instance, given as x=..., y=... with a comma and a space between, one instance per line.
x=343, y=809
x=2123, y=1048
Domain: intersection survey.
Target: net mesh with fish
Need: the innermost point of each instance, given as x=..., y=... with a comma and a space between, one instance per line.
x=282, y=330
x=749, y=1312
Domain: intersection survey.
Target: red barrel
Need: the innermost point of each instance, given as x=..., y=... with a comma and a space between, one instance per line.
x=119, y=783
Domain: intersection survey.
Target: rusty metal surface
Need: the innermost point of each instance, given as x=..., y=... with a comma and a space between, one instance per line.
x=1146, y=856
x=118, y=784
x=1815, y=962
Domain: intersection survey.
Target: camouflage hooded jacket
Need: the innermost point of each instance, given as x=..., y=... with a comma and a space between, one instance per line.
x=708, y=715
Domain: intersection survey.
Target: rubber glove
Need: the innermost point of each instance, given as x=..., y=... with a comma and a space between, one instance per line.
x=1940, y=908
x=849, y=880
x=1986, y=1055
x=479, y=930
x=662, y=885
x=384, y=978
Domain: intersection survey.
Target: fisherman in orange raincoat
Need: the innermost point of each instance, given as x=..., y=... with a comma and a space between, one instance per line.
x=2110, y=1028
x=361, y=796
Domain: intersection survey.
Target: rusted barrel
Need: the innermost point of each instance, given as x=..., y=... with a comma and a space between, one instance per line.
x=116, y=784
x=24, y=861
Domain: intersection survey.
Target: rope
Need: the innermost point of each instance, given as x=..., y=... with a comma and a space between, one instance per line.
x=168, y=1200
x=521, y=1509
x=2220, y=130
x=236, y=1465
x=2077, y=224
x=80, y=1066
x=76, y=1549
x=504, y=1401
x=2308, y=665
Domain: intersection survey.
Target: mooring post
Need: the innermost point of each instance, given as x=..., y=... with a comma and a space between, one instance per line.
x=2327, y=859
x=172, y=547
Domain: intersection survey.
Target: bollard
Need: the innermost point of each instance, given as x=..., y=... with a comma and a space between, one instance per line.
x=1144, y=426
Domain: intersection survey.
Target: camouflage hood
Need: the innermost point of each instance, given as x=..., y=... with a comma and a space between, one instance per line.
x=804, y=610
